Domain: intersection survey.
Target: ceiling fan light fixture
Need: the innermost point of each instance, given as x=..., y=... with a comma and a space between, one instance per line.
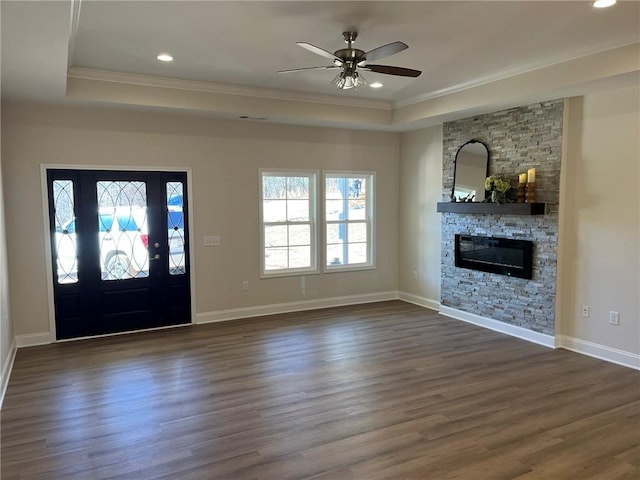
x=349, y=60
x=348, y=81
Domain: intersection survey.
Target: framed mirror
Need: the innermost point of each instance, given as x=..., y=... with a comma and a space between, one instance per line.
x=470, y=169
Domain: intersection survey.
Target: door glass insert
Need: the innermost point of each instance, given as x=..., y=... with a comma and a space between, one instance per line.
x=66, y=250
x=122, y=229
x=175, y=228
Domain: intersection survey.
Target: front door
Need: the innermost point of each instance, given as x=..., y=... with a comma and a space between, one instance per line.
x=119, y=243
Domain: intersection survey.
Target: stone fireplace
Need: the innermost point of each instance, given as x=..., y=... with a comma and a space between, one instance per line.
x=517, y=139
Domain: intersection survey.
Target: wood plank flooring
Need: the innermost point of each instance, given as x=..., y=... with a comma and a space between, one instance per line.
x=385, y=390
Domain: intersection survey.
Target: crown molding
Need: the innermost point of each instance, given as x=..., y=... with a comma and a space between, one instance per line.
x=225, y=89
x=502, y=75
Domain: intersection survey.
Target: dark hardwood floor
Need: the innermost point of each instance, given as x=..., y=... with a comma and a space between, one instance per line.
x=385, y=390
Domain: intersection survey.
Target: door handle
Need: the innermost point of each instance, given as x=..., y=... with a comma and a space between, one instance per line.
x=156, y=257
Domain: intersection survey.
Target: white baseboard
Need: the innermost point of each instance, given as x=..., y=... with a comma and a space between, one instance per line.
x=277, y=308
x=420, y=301
x=602, y=352
x=513, y=330
x=6, y=370
x=33, y=339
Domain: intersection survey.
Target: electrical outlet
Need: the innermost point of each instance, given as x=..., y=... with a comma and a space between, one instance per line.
x=415, y=275
x=586, y=311
x=245, y=285
x=614, y=318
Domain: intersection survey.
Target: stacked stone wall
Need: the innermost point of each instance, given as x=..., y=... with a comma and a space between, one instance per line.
x=517, y=139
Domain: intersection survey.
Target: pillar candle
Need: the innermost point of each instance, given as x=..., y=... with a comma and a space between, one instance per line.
x=531, y=174
x=522, y=178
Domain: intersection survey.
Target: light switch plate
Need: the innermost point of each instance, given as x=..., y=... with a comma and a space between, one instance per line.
x=211, y=241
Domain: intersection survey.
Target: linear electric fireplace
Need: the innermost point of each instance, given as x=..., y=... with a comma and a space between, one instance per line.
x=505, y=256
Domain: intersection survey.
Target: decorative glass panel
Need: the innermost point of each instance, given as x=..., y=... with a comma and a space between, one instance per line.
x=175, y=228
x=65, y=235
x=122, y=229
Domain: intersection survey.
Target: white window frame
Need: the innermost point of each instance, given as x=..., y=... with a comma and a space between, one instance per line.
x=369, y=220
x=312, y=175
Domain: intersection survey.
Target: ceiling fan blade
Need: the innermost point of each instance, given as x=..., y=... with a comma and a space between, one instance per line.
x=389, y=70
x=384, y=51
x=318, y=51
x=324, y=67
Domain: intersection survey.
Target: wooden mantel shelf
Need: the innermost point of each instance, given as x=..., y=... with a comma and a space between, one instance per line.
x=492, y=208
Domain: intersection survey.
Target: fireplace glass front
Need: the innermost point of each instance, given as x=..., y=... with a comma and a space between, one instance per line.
x=504, y=256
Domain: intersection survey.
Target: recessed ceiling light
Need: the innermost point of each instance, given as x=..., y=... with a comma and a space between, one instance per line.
x=375, y=85
x=604, y=3
x=165, y=57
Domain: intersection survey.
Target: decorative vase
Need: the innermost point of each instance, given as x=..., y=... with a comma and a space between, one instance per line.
x=497, y=197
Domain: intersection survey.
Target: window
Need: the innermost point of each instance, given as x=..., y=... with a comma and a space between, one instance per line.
x=288, y=219
x=348, y=220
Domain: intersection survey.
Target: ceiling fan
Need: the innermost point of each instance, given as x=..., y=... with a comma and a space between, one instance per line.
x=349, y=60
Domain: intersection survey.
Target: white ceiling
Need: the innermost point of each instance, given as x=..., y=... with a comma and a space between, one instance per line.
x=240, y=45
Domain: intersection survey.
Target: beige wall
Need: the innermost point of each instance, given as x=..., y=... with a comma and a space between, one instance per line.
x=600, y=217
x=421, y=187
x=600, y=220
x=224, y=157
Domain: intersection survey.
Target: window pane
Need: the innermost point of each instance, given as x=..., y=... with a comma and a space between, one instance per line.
x=276, y=258
x=299, y=235
x=357, y=209
x=298, y=187
x=122, y=229
x=300, y=257
x=357, y=253
x=273, y=187
x=335, y=232
x=331, y=188
x=334, y=210
x=275, y=236
x=357, y=232
x=274, y=211
x=335, y=254
x=175, y=228
x=65, y=234
x=298, y=210
x=356, y=187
